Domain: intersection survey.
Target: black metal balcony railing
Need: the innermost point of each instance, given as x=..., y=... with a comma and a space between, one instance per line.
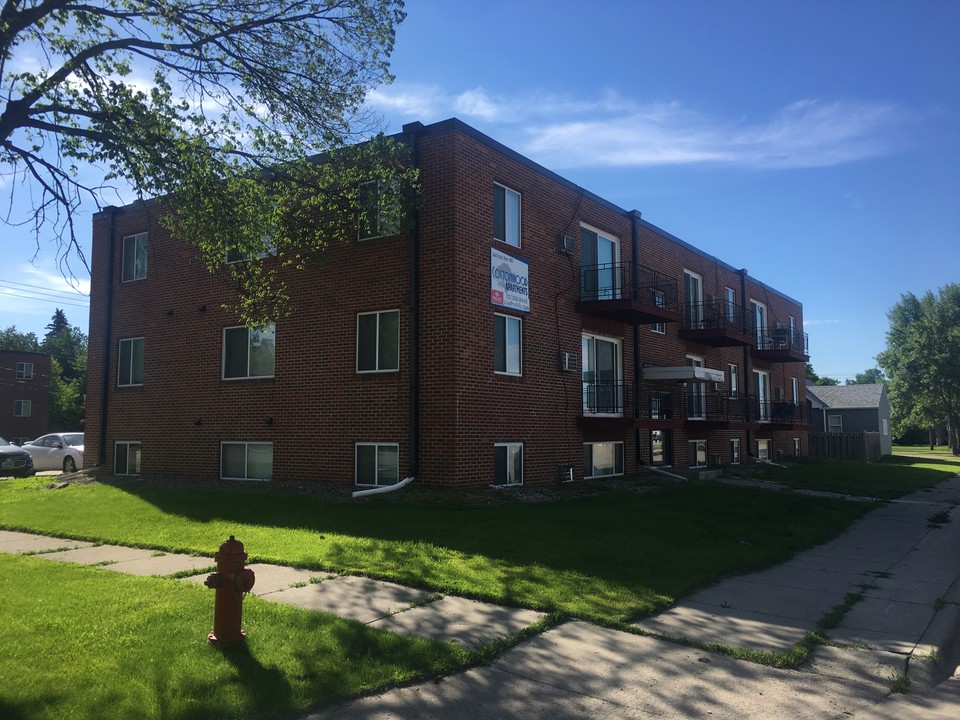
x=783, y=340
x=717, y=315
x=605, y=398
x=698, y=401
x=614, y=281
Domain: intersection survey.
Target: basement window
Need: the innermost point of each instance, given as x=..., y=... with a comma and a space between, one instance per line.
x=377, y=463
x=246, y=460
x=126, y=458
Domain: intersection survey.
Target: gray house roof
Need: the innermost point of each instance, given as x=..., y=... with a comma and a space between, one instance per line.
x=848, y=397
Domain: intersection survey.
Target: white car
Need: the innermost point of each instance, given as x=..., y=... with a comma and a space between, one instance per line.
x=57, y=451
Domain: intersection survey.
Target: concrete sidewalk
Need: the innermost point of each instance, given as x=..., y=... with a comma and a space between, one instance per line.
x=902, y=561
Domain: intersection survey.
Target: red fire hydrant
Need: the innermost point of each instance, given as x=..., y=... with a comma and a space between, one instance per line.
x=230, y=581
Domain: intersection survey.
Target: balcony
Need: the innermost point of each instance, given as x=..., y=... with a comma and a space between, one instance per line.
x=608, y=291
x=691, y=405
x=782, y=345
x=717, y=323
x=605, y=406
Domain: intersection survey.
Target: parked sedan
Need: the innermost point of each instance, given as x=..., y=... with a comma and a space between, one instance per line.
x=14, y=461
x=57, y=451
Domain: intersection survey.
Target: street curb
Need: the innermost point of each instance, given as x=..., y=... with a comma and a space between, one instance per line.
x=937, y=655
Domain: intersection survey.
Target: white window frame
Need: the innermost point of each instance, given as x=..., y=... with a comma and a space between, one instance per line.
x=796, y=447
x=760, y=319
x=246, y=459
x=250, y=345
x=386, y=226
x=512, y=214
x=734, y=451
x=128, y=446
x=884, y=426
x=24, y=371
x=22, y=408
x=130, y=369
x=234, y=257
x=508, y=320
x=696, y=388
x=136, y=243
x=763, y=398
x=378, y=446
x=730, y=302
x=589, y=448
x=607, y=281
x=515, y=446
x=733, y=378
x=795, y=390
x=659, y=300
x=693, y=461
x=763, y=449
x=586, y=367
x=693, y=300
x=834, y=423
x=378, y=369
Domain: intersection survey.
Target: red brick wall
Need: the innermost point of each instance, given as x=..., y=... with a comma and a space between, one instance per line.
x=35, y=389
x=317, y=406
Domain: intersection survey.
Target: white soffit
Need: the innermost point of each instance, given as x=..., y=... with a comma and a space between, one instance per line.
x=682, y=373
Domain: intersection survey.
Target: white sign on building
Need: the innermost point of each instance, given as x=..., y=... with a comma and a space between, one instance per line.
x=509, y=281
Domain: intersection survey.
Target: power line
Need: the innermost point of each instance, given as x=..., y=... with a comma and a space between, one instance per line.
x=46, y=289
x=34, y=295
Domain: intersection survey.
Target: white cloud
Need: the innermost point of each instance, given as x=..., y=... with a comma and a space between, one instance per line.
x=812, y=323
x=613, y=130
x=476, y=103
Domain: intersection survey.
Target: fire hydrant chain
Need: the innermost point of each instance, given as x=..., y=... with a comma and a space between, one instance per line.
x=231, y=582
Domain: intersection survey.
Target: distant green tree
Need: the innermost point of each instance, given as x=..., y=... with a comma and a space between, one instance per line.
x=819, y=379
x=13, y=339
x=922, y=360
x=873, y=376
x=66, y=400
x=65, y=343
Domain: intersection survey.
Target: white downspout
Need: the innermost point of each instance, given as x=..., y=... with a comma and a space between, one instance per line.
x=385, y=489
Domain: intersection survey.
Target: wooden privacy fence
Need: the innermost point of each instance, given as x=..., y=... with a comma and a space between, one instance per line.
x=861, y=446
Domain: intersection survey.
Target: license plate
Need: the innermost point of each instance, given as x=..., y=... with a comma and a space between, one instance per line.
x=8, y=464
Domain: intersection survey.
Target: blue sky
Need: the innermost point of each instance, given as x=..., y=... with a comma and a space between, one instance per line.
x=815, y=143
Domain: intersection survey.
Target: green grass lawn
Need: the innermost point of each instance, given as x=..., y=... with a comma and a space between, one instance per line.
x=901, y=473
x=80, y=642
x=87, y=642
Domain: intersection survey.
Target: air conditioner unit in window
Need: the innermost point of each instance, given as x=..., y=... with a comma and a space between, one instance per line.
x=566, y=244
x=568, y=361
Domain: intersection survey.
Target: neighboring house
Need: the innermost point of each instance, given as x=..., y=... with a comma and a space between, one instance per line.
x=852, y=408
x=24, y=395
x=524, y=331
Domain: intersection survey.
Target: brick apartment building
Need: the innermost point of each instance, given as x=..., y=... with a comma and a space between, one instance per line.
x=524, y=330
x=24, y=395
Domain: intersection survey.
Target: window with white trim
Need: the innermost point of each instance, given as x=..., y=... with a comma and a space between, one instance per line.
x=734, y=451
x=126, y=457
x=795, y=390
x=134, y=262
x=697, y=451
x=763, y=449
x=834, y=423
x=599, y=265
x=885, y=426
x=506, y=344
x=249, y=353
x=246, y=460
x=506, y=215
x=377, y=463
x=236, y=255
x=602, y=459
x=733, y=380
x=379, y=210
x=130, y=362
x=378, y=341
x=22, y=408
x=508, y=464
x=659, y=299
x=24, y=371
x=730, y=304
x=601, y=375
x=796, y=447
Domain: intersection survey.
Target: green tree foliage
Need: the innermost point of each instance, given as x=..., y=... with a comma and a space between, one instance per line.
x=13, y=339
x=819, y=379
x=65, y=343
x=873, y=376
x=212, y=104
x=922, y=360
